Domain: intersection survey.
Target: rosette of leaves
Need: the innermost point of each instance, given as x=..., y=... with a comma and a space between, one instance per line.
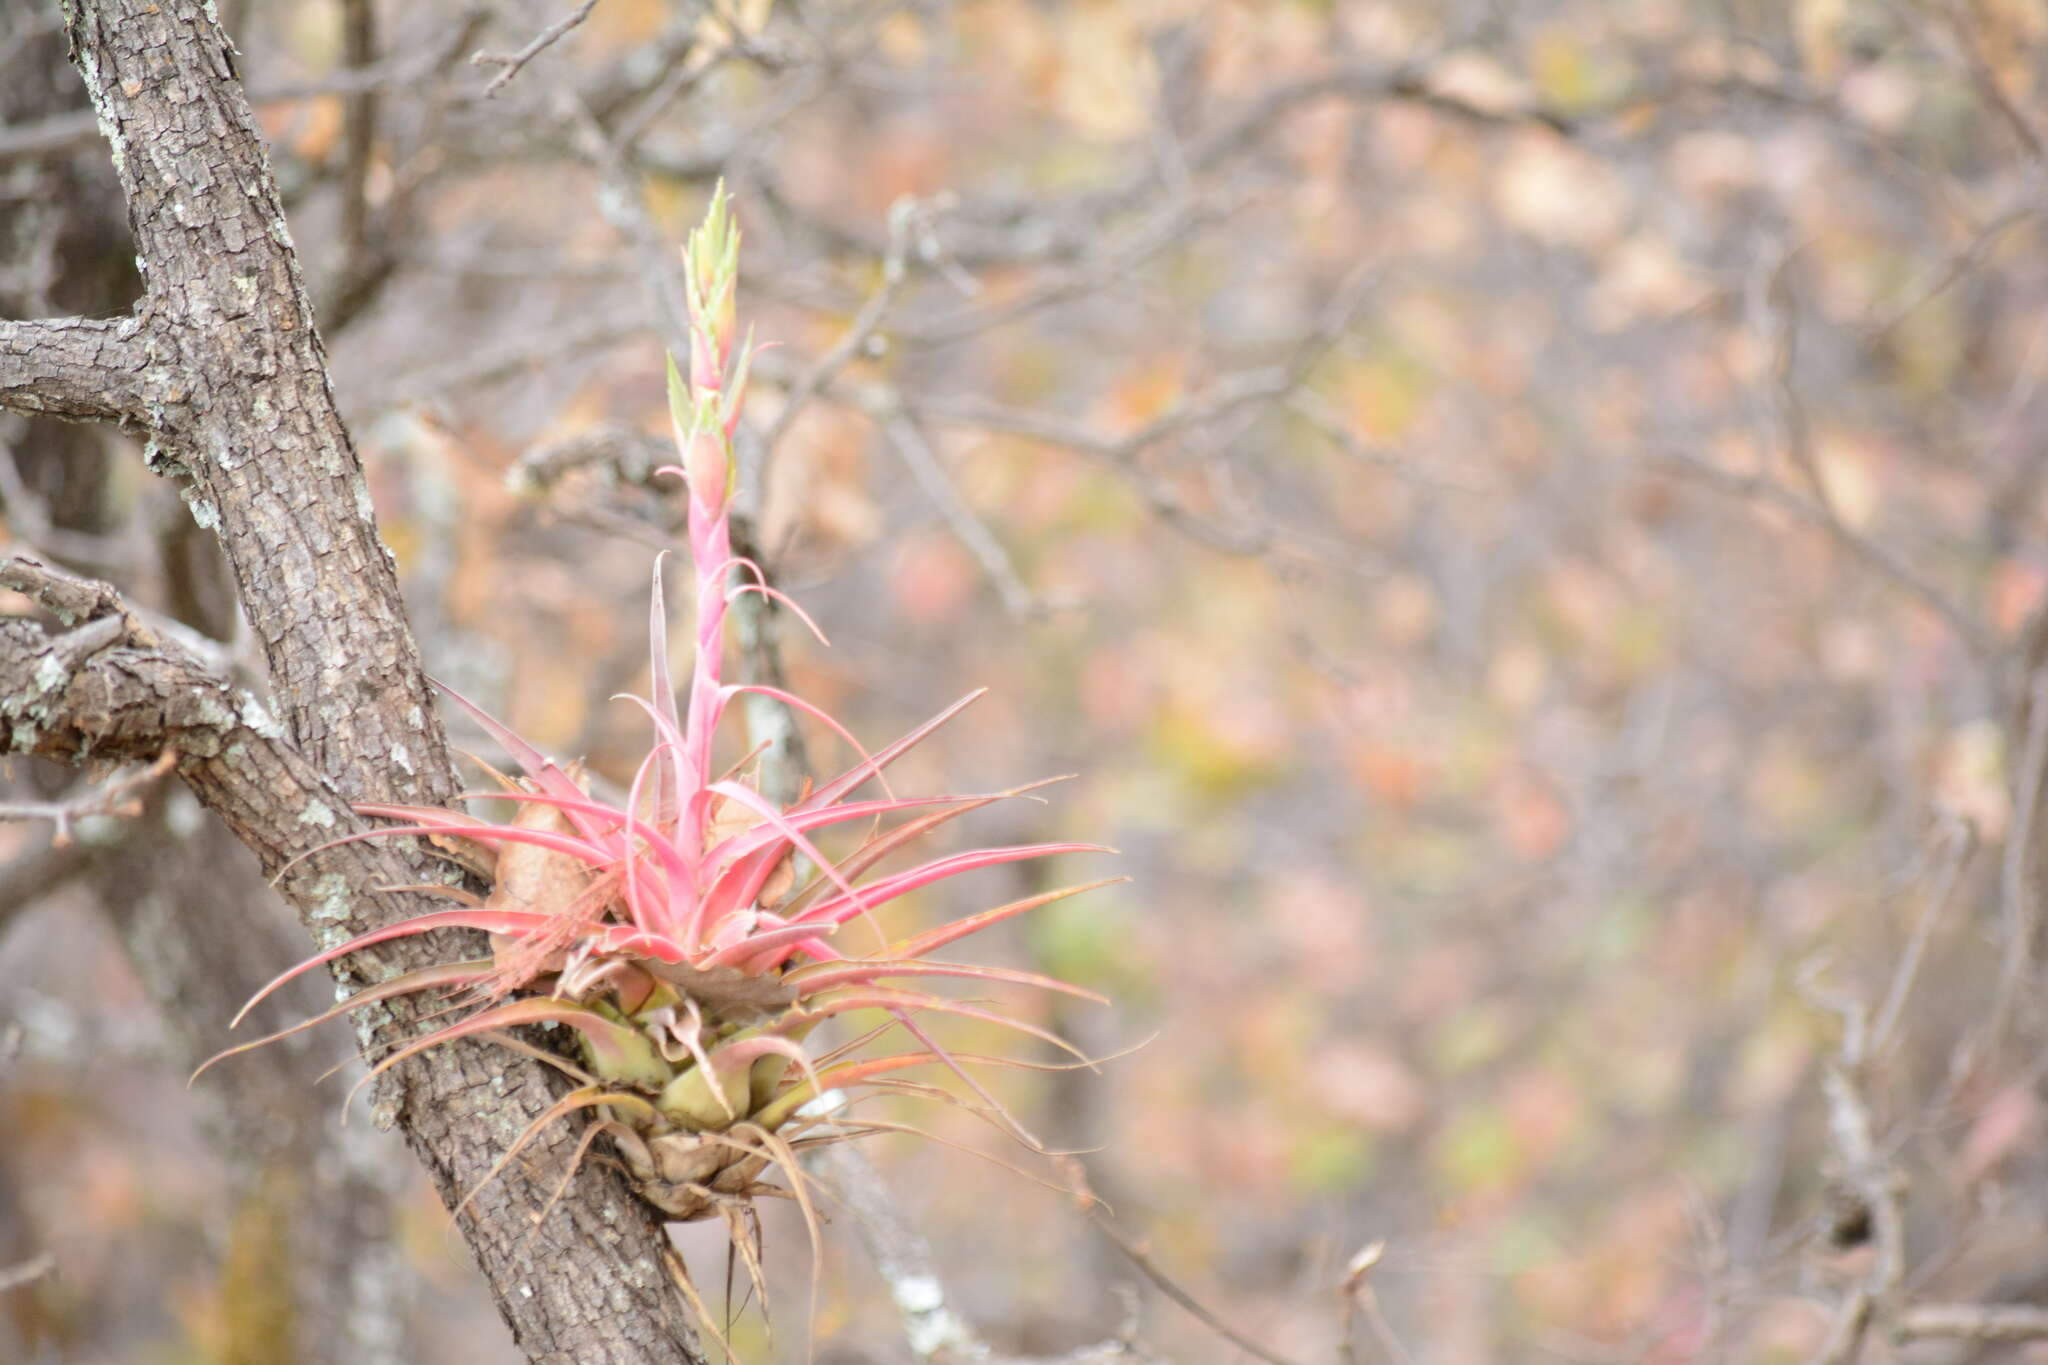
x=688, y=937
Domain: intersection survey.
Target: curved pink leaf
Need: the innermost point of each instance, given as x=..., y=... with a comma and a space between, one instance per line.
x=867, y=971
x=840, y=909
x=425, y=979
x=513, y=922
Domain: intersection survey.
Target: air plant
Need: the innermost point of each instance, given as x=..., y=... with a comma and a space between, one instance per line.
x=691, y=939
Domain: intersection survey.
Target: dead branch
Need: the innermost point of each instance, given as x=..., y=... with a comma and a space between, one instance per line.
x=514, y=63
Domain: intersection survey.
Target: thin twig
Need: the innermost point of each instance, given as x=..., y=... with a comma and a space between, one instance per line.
x=61, y=133
x=1098, y=1215
x=116, y=798
x=491, y=366
x=1887, y=564
x=624, y=205
x=1227, y=394
x=1962, y=842
x=909, y=441
x=1966, y=28
x=1322, y=416
x=1170, y=1287
x=1845, y=1335
x=27, y=1272
x=2019, y=892
x=861, y=333
x=1867, y=1175
x=1974, y=1321
x=1165, y=229
x=1361, y=1305
x=359, y=136
x=1943, y=276
x=899, y=1252
x=516, y=62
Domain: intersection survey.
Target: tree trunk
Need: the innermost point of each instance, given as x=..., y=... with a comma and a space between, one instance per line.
x=220, y=369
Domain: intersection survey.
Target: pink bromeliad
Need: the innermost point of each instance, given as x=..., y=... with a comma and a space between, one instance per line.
x=689, y=937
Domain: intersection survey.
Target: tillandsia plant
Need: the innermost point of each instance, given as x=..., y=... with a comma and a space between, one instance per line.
x=693, y=937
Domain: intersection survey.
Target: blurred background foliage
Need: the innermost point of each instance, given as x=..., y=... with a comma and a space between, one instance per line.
x=1526, y=520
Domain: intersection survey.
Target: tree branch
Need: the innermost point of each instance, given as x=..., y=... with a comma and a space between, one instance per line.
x=546, y=38
x=240, y=406
x=108, y=689
x=1974, y=1321
x=84, y=368
x=116, y=798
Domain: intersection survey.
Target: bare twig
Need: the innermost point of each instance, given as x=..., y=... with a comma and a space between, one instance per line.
x=624, y=205
x=1974, y=1322
x=1966, y=628
x=117, y=798
x=861, y=334
x=493, y=365
x=899, y=1253
x=1361, y=1307
x=515, y=62
x=1085, y=1199
x=1846, y=1332
x=1945, y=274
x=909, y=441
x=1224, y=396
x=1869, y=1176
x=1238, y=535
x=622, y=453
x=1966, y=29
x=69, y=597
x=1317, y=411
x=2019, y=891
x=27, y=1272
x=61, y=133
x=1866, y=1177
x=1962, y=841
x=359, y=133
x=1102, y=269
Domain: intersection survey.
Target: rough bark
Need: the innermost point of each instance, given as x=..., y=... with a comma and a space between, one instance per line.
x=309, y=1270
x=76, y=367
x=222, y=370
